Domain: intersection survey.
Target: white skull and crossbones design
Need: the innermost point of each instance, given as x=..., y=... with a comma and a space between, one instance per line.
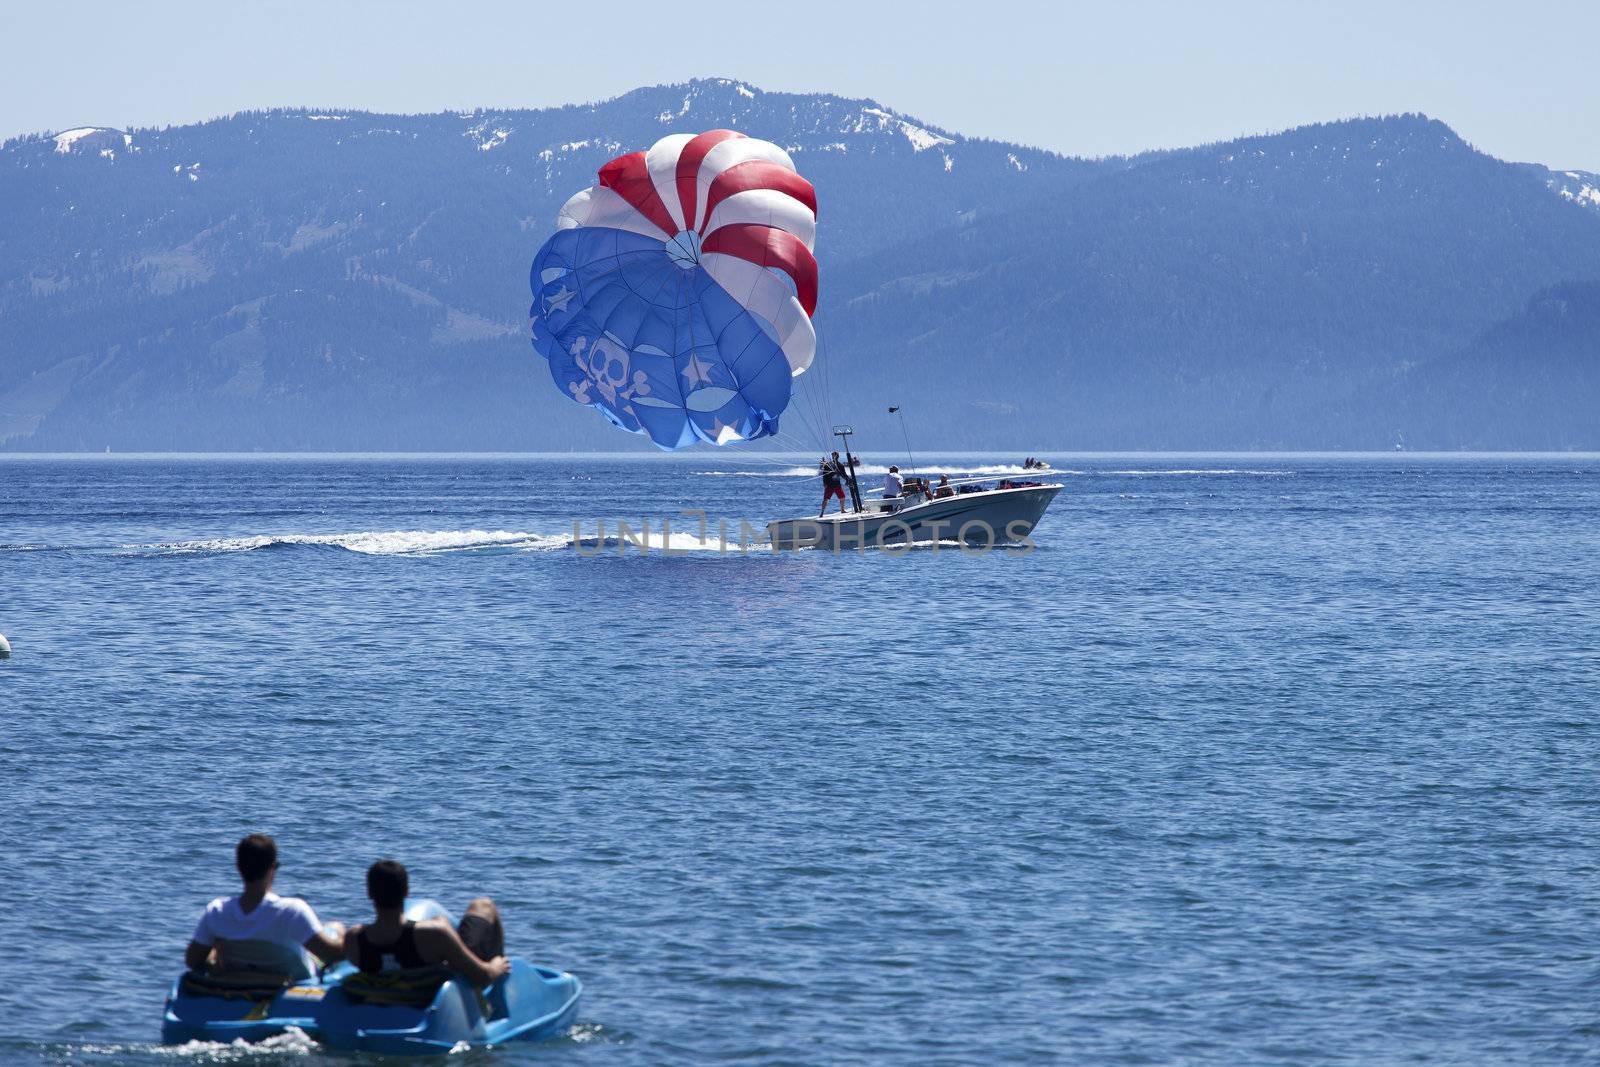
x=607, y=365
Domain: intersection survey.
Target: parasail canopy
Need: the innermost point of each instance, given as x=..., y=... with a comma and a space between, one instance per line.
x=676, y=294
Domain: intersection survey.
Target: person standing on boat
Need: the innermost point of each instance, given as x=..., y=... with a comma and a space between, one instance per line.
x=258, y=929
x=833, y=476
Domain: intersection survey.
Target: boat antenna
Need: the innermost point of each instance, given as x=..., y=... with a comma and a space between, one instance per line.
x=911, y=464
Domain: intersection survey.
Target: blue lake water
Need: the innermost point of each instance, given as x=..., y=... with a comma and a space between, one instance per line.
x=1253, y=759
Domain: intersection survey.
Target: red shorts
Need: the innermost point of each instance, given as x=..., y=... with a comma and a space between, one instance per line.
x=831, y=491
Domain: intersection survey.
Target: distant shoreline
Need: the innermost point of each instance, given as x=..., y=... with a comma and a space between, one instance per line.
x=735, y=457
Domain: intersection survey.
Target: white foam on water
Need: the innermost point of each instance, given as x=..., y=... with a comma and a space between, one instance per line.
x=292, y=1042
x=371, y=542
x=585, y=1033
x=610, y=541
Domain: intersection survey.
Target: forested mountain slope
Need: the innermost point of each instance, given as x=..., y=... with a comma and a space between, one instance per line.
x=342, y=280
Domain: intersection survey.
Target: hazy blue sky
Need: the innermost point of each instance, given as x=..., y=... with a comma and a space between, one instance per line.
x=1516, y=79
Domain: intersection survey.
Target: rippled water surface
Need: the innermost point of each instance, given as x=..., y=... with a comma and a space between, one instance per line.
x=1251, y=760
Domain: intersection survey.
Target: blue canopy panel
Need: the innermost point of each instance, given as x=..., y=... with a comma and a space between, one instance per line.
x=636, y=329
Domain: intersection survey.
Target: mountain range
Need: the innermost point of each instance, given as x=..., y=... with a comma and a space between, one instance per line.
x=339, y=280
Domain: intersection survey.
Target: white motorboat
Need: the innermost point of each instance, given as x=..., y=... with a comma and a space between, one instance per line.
x=974, y=513
x=986, y=512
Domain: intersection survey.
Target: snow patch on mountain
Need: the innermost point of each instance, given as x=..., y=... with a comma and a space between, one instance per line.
x=668, y=116
x=920, y=139
x=1578, y=186
x=486, y=134
x=65, y=141
x=100, y=139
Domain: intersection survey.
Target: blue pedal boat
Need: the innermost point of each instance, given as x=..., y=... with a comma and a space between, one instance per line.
x=425, y=1014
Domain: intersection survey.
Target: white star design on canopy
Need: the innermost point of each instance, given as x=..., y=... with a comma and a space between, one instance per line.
x=723, y=432
x=559, y=300
x=696, y=372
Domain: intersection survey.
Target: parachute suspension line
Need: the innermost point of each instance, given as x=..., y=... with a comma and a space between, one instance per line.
x=811, y=388
x=827, y=385
x=801, y=446
x=815, y=423
x=802, y=389
x=799, y=409
x=767, y=461
x=783, y=436
x=813, y=397
x=820, y=410
x=808, y=413
x=780, y=465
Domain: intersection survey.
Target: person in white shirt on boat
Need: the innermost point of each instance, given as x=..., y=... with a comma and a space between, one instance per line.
x=259, y=930
x=891, y=483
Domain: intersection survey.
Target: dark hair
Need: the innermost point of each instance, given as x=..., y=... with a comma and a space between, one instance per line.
x=255, y=856
x=387, y=884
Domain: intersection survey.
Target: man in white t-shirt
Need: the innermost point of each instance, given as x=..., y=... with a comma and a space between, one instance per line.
x=259, y=916
x=891, y=483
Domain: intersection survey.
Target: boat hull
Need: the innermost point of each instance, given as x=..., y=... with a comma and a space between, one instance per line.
x=989, y=518
x=529, y=1004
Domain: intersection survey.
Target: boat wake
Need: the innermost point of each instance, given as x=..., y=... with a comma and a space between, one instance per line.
x=293, y=1043
x=675, y=543
x=589, y=538
x=367, y=543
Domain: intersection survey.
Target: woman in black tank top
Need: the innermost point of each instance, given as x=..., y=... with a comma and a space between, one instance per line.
x=400, y=954
x=476, y=952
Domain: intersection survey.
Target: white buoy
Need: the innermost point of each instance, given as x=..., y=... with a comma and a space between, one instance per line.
x=5, y=647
